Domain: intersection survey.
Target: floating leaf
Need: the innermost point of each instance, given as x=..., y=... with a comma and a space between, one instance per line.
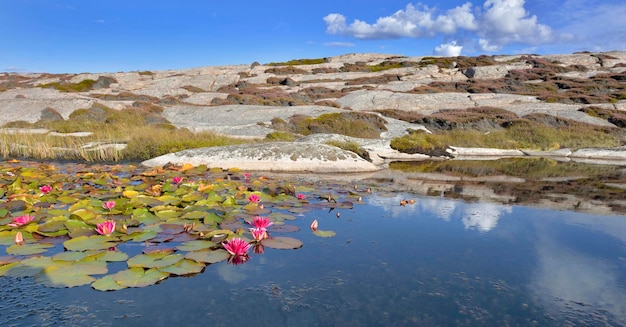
x=67, y=199
x=194, y=215
x=282, y=242
x=138, y=277
x=29, y=248
x=283, y=228
x=184, y=267
x=324, y=233
x=84, y=243
x=195, y=245
x=6, y=268
x=140, y=236
x=107, y=283
x=154, y=260
x=167, y=214
x=71, y=275
x=130, y=193
x=7, y=237
x=112, y=256
x=70, y=256
x=208, y=256
x=78, y=228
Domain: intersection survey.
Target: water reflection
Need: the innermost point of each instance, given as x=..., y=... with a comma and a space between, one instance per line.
x=438, y=262
x=481, y=216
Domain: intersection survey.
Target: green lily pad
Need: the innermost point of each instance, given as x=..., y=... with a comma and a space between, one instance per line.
x=107, y=283
x=208, y=256
x=71, y=275
x=184, y=267
x=78, y=228
x=140, y=236
x=7, y=237
x=70, y=256
x=324, y=233
x=6, y=268
x=144, y=216
x=138, y=277
x=282, y=242
x=29, y=248
x=67, y=199
x=194, y=215
x=154, y=260
x=195, y=245
x=84, y=243
x=113, y=256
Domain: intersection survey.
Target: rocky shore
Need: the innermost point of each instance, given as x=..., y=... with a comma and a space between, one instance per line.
x=246, y=100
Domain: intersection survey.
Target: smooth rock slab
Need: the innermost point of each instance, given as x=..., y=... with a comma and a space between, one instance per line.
x=281, y=156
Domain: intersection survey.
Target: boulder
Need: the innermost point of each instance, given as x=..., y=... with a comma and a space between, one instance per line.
x=280, y=156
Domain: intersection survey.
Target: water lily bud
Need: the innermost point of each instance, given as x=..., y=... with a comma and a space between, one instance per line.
x=19, y=238
x=314, y=225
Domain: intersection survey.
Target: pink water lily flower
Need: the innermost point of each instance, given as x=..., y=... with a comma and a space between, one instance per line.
x=177, y=180
x=259, y=234
x=45, y=189
x=109, y=205
x=261, y=222
x=254, y=198
x=106, y=228
x=246, y=176
x=300, y=196
x=21, y=220
x=236, y=246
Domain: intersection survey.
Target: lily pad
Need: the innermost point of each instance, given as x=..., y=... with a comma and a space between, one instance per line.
x=138, y=277
x=28, y=249
x=324, y=233
x=184, y=267
x=196, y=245
x=84, y=243
x=154, y=260
x=71, y=275
x=107, y=283
x=208, y=256
x=282, y=242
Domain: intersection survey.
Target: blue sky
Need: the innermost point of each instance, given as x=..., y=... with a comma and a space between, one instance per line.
x=71, y=36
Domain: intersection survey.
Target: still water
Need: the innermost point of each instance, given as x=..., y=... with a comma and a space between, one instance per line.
x=438, y=262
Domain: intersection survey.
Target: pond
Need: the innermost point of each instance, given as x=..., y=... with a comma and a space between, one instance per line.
x=432, y=261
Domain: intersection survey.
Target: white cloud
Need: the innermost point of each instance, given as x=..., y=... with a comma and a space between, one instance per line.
x=448, y=49
x=506, y=21
x=494, y=25
x=410, y=22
